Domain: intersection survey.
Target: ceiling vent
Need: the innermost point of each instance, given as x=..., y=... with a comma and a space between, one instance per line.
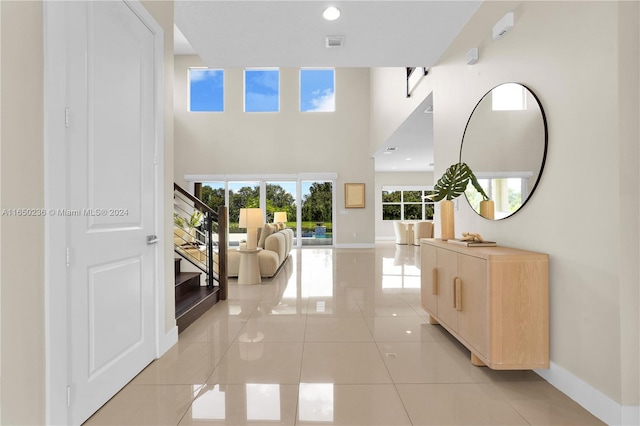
x=390, y=148
x=334, y=41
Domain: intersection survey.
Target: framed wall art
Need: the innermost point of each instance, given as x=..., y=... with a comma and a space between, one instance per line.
x=354, y=195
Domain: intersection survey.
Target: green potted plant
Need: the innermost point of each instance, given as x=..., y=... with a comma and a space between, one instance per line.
x=451, y=185
x=188, y=225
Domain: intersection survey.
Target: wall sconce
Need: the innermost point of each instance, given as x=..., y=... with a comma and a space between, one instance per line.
x=251, y=219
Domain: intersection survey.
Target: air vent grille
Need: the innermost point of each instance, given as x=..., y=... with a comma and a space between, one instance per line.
x=390, y=148
x=334, y=41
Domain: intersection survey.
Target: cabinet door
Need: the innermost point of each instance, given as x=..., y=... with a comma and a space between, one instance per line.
x=447, y=261
x=428, y=289
x=473, y=321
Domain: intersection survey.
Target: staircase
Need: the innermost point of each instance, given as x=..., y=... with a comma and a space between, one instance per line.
x=192, y=299
x=200, y=244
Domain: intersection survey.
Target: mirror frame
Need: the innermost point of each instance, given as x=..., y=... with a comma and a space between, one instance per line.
x=544, y=153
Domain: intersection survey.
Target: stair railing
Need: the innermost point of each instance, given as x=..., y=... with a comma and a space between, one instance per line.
x=200, y=237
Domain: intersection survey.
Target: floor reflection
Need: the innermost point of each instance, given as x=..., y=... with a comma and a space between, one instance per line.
x=337, y=337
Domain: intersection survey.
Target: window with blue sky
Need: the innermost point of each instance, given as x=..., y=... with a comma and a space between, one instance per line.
x=261, y=90
x=317, y=90
x=206, y=90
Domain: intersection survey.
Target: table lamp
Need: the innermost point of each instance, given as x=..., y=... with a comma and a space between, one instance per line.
x=280, y=217
x=251, y=219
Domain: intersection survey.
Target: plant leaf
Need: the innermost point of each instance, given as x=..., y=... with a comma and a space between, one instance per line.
x=453, y=182
x=476, y=185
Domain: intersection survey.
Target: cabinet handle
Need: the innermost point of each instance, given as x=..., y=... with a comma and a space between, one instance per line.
x=458, y=293
x=434, y=285
x=455, y=298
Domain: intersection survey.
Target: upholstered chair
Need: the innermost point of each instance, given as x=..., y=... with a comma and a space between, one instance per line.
x=422, y=229
x=401, y=232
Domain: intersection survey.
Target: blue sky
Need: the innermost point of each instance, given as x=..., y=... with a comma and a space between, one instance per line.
x=207, y=90
x=317, y=92
x=262, y=90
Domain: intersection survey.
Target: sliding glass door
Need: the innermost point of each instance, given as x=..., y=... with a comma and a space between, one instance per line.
x=317, y=213
x=308, y=204
x=281, y=198
x=241, y=195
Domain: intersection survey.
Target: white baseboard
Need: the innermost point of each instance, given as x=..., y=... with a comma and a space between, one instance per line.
x=167, y=341
x=356, y=246
x=594, y=401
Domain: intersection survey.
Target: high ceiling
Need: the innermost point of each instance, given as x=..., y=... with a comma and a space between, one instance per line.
x=239, y=33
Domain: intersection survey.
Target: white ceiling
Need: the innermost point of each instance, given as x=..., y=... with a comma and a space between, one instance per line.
x=265, y=33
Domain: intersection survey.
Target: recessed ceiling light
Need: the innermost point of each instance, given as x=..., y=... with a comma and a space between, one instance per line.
x=331, y=13
x=408, y=158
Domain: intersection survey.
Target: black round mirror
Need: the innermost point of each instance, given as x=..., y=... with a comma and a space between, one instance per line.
x=505, y=145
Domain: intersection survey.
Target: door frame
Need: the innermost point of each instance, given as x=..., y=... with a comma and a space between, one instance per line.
x=57, y=356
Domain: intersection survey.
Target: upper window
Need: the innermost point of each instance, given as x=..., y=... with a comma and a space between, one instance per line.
x=261, y=90
x=317, y=90
x=206, y=90
x=509, y=97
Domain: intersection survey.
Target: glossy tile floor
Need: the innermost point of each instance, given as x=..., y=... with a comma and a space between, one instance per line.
x=338, y=337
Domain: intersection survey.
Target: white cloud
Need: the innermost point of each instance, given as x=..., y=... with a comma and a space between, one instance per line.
x=267, y=79
x=204, y=74
x=326, y=102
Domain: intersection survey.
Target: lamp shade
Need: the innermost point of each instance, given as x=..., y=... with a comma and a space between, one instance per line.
x=250, y=218
x=280, y=217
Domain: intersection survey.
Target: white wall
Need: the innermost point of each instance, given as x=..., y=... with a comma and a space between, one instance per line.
x=574, y=56
x=288, y=142
x=22, y=244
x=390, y=106
x=629, y=178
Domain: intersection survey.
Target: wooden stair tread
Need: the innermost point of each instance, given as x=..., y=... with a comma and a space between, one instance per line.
x=184, y=277
x=194, y=304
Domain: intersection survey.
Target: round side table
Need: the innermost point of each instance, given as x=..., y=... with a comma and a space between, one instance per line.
x=249, y=269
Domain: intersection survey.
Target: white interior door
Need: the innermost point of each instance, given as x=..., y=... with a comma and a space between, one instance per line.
x=110, y=182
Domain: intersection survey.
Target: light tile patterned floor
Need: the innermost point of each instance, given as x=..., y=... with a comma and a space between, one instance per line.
x=337, y=338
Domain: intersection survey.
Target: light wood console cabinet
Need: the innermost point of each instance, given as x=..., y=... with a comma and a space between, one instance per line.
x=494, y=300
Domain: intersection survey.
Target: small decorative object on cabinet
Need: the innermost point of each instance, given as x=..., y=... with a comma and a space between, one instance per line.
x=494, y=300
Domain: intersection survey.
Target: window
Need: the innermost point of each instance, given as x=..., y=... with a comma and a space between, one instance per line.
x=261, y=90
x=206, y=90
x=307, y=203
x=317, y=90
x=211, y=193
x=507, y=190
x=509, y=97
x=406, y=204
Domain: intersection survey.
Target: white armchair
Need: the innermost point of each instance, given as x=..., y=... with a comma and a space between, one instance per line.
x=422, y=229
x=401, y=232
